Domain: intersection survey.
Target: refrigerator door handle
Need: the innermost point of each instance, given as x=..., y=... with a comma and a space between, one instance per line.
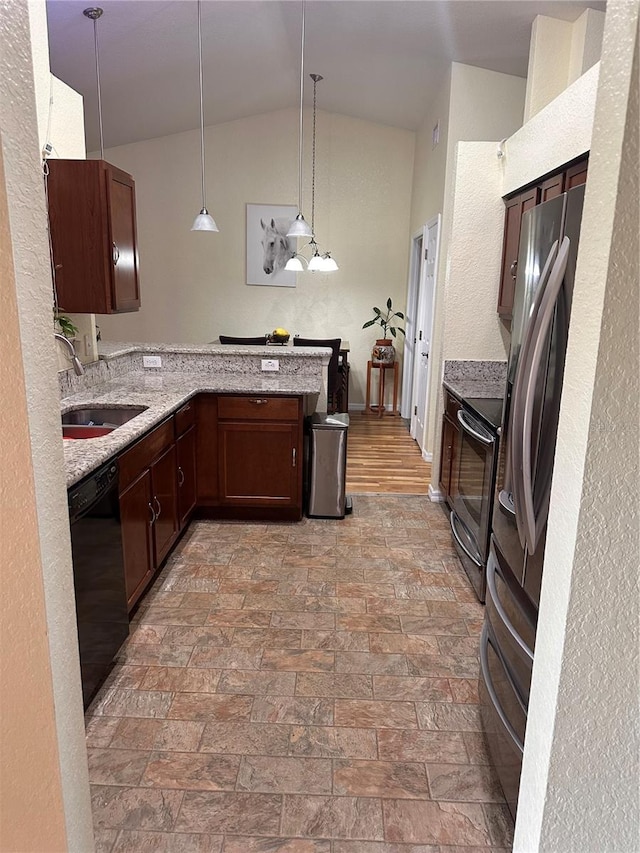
x=517, y=410
x=493, y=696
x=541, y=327
x=502, y=613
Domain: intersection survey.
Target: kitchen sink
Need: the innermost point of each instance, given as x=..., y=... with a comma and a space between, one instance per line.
x=96, y=422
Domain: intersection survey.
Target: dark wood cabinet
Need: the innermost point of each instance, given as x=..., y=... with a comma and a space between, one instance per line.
x=449, y=448
x=165, y=503
x=207, y=450
x=137, y=514
x=186, y=459
x=260, y=454
x=148, y=506
x=553, y=185
x=92, y=216
x=515, y=207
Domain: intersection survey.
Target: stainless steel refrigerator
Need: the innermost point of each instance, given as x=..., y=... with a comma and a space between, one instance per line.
x=542, y=306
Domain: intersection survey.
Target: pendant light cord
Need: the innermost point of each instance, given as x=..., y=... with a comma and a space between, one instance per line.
x=315, y=78
x=204, y=204
x=301, y=99
x=95, y=40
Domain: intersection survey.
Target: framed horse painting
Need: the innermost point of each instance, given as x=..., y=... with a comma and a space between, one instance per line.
x=268, y=247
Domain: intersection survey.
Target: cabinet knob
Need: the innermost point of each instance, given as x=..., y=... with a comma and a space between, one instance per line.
x=513, y=269
x=153, y=515
x=116, y=253
x=180, y=476
x=293, y=457
x=258, y=401
x=159, y=507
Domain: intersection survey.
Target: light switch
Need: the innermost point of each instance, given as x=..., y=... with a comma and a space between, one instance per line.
x=270, y=364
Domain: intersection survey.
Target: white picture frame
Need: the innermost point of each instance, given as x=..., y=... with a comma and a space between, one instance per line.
x=268, y=247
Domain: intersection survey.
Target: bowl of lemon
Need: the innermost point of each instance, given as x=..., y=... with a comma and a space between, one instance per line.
x=279, y=336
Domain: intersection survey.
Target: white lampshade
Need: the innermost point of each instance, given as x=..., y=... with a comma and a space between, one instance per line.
x=315, y=264
x=294, y=264
x=300, y=228
x=204, y=222
x=328, y=264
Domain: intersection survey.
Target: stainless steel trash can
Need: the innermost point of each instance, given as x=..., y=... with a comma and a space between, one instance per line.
x=327, y=465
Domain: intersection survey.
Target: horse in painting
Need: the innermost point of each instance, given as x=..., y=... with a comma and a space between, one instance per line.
x=276, y=245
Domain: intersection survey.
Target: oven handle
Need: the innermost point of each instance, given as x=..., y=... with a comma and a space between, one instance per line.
x=464, y=423
x=493, y=696
x=461, y=543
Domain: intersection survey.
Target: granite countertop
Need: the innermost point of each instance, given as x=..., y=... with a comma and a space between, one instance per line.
x=162, y=394
x=113, y=349
x=479, y=388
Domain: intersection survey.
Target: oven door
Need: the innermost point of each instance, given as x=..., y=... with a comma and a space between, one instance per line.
x=471, y=515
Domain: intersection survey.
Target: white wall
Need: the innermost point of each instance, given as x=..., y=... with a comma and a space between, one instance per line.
x=579, y=789
x=483, y=105
x=559, y=54
x=27, y=216
x=193, y=284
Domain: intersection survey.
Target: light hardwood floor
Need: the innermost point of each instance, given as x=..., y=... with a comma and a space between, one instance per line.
x=382, y=458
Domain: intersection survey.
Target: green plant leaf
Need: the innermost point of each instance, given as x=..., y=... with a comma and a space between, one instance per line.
x=389, y=303
x=400, y=329
x=377, y=310
x=400, y=314
x=368, y=323
x=392, y=330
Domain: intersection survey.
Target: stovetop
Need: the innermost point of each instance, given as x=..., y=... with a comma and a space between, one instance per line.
x=488, y=408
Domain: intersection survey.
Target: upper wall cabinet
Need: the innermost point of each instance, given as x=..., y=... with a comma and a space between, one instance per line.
x=515, y=206
x=92, y=215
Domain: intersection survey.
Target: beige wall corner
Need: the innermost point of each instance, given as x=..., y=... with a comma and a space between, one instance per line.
x=586, y=42
x=30, y=781
x=549, y=60
x=26, y=216
x=579, y=788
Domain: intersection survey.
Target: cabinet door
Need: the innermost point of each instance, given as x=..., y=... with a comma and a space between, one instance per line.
x=136, y=514
x=446, y=451
x=165, y=503
x=124, y=250
x=515, y=207
x=552, y=187
x=207, y=449
x=576, y=175
x=259, y=463
x=186, y=459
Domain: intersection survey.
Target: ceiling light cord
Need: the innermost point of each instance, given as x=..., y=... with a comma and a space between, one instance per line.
x=315, y=78
x=202, y=164
x=300, y=127
x=94, y=13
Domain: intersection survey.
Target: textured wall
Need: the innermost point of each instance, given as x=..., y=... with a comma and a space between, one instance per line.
x=579, y=788
x=27, y=222
x=193, y=285
x=484, y=105
x=549, y=61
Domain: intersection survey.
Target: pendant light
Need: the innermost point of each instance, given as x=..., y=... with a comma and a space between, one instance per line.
x=94, y=13
x=300, y=227
x=318, y=262
x=203, y=221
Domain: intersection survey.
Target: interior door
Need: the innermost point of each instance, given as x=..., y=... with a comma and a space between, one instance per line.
x=411, y=313
x=424, y=331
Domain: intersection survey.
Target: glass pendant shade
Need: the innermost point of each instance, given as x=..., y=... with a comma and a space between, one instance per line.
x=204, y=222
x=300, y=227
x=315, y=264
x=328, y=264
x=294, y=264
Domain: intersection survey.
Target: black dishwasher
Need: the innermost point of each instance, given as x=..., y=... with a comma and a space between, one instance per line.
x=98, y=574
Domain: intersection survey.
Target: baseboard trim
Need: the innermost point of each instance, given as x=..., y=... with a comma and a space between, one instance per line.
x=435, y=495
x=356, y=407
x=428, y=457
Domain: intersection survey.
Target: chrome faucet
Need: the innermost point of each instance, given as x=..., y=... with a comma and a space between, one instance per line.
x=77, y=365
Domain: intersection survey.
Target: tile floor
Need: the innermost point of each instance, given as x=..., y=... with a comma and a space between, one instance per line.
x=304, y=688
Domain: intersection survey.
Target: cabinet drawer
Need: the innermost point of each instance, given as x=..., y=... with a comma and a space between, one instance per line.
x=451, y=406
x=185, y=417
x=142, y=454
x=258, y=408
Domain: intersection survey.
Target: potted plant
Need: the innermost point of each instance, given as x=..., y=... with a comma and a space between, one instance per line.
x=65, y=325
x=384, y=351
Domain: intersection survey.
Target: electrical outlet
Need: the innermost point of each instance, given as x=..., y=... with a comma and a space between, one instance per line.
x=151, y=361
x=270, y=364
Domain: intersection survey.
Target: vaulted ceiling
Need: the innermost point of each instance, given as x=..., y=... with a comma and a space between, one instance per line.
x=382, y=60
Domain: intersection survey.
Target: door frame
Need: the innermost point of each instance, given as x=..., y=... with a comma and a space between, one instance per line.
x=411, y=316
x=423, y=304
